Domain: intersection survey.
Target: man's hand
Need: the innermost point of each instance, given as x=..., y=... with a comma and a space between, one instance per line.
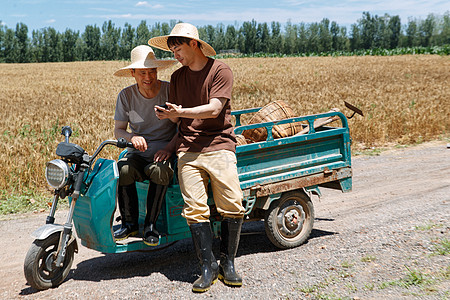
x=172, y=112
x=139, y=143
x=162, y=155
x=206, y=111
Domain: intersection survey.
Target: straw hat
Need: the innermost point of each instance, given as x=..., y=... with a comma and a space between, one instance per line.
x=142, y=57
x=181, y=30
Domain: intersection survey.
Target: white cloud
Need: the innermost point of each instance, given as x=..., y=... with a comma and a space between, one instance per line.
x=51, y=21
x=142, y=3
x=146, y=4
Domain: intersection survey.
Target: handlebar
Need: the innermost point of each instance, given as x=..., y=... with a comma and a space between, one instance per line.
x=120, y=143
x=123, y=143
x=66, y=131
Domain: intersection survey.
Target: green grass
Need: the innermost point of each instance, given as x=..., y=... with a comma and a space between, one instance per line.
x=415, y=277
x=428, y=226
x=315, y=288
x=428, y=283
x=369, y=286
x=13, y=203
x=368, y=258
x=442, y=247
x=346, y=264
x=412, y=278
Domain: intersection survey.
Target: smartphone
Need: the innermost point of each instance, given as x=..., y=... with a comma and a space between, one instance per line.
x=163, y=106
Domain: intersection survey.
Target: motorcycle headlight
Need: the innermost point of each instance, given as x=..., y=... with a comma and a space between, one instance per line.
x=57, y=173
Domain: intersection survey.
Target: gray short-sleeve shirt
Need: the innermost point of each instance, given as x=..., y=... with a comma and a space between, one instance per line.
x=139, y=112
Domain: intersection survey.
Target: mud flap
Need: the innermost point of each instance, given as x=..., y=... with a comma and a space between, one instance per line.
x=47, y=230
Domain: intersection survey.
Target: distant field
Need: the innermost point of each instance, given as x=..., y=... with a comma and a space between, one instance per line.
x=405, y=100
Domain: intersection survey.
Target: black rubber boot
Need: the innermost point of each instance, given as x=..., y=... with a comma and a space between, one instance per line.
x=129, y=212
x=230, y=234
x=203, y=239
x=155, y=198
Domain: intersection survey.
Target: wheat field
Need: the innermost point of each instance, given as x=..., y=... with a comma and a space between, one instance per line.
x=405, y=99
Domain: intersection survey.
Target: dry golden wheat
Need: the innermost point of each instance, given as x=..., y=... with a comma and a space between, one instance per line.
x=405, y=99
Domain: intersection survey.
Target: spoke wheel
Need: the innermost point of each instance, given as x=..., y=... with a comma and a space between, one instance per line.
x=289, y=220
x=40, y=269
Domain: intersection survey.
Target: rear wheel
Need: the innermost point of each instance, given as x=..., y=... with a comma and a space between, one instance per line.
x=289, y=220
x=40, y=267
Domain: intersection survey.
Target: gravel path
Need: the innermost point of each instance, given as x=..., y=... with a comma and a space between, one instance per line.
x=380, y=241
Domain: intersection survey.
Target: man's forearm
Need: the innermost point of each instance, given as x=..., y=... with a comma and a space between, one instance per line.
x=206, y=111
x=174, y=120
x=122, y=133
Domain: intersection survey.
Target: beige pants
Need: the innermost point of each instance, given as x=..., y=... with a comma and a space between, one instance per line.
x=195, y=170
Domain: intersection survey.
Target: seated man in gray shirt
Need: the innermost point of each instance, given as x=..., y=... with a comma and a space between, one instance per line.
x=148, y=134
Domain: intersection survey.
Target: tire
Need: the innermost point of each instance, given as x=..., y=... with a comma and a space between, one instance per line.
x=39, y=267
x=289, y=220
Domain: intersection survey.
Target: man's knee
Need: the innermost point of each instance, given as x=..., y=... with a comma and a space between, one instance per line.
x=159, y=172
x=128, y=171
x=127, y=174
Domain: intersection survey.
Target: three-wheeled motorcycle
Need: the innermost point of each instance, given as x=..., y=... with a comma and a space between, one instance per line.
x=278, y=176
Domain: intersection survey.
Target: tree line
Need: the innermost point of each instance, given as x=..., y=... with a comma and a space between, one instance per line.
x=114, y=43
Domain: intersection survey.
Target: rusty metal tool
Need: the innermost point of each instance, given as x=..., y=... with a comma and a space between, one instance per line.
x=354, y=109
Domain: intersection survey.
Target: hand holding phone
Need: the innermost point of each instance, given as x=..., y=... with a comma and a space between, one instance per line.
x=162, y=107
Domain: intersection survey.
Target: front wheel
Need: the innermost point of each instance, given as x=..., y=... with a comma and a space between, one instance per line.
x=289, y=220
x=40, y=269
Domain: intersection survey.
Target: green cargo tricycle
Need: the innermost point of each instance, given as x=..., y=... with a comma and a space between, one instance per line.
x=277, y=176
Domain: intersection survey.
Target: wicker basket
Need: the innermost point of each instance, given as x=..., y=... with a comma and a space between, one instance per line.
x=241, y=139
x=274, y=111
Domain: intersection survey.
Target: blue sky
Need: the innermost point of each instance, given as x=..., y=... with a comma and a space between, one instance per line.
x=76, y=14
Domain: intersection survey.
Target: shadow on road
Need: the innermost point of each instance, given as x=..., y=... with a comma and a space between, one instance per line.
x=177, y=262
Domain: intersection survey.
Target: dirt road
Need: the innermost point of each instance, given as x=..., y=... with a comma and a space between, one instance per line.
x=381, y=241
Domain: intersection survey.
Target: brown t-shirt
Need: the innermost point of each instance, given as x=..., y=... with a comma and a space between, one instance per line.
x=193, y=88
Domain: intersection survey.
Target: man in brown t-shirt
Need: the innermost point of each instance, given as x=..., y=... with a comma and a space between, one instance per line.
x=199, y=99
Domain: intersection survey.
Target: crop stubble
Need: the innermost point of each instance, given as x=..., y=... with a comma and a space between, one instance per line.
x=405, y=99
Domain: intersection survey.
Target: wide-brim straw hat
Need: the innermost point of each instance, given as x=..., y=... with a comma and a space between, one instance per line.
x=142, y=57
x=182, y=30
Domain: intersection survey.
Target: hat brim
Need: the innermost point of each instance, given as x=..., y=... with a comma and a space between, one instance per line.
x=158, y=64
x=160, y=42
